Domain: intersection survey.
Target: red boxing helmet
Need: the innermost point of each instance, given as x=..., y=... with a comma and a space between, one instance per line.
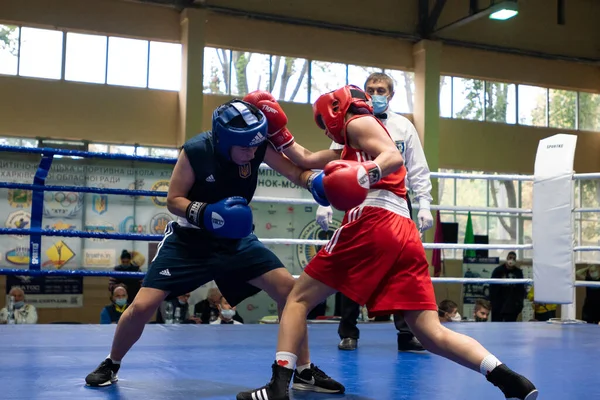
x=330, y=109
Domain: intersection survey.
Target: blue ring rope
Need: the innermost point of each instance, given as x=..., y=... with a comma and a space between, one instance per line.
x=80, y=189
x=81, y=234
x=76, y=272
x=86, y=154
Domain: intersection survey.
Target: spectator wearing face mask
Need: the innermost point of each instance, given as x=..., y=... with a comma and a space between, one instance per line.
x=112, y=312
x=23, y=313
x=481, y=313
x=208, y=309
x=130, y=262
x=591, y=305
x=226, y=314
x=448, y=312
x=507, y=300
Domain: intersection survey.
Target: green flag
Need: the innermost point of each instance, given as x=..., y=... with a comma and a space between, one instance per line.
x=469, y=237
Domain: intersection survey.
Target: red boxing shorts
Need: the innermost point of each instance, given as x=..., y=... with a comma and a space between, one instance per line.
x=376, y=258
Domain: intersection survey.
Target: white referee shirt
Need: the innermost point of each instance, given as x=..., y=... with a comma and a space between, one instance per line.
x=407, y=141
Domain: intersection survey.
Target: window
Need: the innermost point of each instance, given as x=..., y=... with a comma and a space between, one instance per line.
x=533, y=105
x=471, y=192
x=404, y=89
x=589, y=112
x=165, y=66
x=8, y=141
x=446, y=190
x=325, y=77
x=85, y=58
x=500, y=102
x=127, y=62
x=536, y=106
x=156, y=152
x=289, y=78
x=468, y=98
x=588, y=224
x=249, y=72
x=41, y=53
x=216, y=71
x=98, y=148
x=357, y=75
x=563, y=109
x=9, y=49
x=446, y=96
x=29, y=142
x=501, y=228
x=121, y=149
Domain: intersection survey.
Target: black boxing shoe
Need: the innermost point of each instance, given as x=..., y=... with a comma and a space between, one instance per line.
x=277, y=389
x=513, y=385
x=104, y=375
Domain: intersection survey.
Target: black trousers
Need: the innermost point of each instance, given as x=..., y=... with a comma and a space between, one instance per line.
x=350, y=310
x=504, y=317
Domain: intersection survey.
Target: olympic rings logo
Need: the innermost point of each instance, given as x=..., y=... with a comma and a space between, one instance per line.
x=65, y=199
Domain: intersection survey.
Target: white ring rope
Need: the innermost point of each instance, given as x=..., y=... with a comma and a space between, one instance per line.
x=490, y=177
x=586, y=176
x=444, y=246
x=311, y=202
x=480, y=209
x=587, y=210
x=586, y=248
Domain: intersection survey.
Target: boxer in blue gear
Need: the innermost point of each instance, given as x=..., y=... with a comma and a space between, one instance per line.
x=210, y=189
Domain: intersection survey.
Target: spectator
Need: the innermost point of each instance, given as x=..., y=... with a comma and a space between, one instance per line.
x=112, y=312
x=591, y=305
x=130, y=262
x=507, y=300
x=208, y=309
x=23, y=313
x=226, y=314
x=482, y=310
x=448, y=312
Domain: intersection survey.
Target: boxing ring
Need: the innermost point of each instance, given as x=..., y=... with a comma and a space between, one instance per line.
x=209, y=362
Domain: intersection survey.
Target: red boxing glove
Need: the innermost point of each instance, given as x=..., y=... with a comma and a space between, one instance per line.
x=279, y=136
x=347, y=183
x=258, y=95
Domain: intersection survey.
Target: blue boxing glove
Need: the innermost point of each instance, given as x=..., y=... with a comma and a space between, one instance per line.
x=228, y=218
x=315, y=187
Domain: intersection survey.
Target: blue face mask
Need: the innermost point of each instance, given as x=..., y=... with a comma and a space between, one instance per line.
x=121, y=302
x=380, y=103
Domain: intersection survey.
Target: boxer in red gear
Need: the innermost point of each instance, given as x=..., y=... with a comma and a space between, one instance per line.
x=376, y=257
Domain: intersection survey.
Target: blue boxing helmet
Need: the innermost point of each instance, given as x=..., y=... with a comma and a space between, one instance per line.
x=237, y=123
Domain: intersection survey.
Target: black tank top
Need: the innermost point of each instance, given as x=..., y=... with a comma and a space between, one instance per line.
x=217, y=178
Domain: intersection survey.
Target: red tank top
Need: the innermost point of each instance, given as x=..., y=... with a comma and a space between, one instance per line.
x=393, y=182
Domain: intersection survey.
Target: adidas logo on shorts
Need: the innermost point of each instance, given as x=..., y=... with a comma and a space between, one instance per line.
x=165, y=272
x=210, y=178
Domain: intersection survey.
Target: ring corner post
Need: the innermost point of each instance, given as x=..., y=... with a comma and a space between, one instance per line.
x=553, y=223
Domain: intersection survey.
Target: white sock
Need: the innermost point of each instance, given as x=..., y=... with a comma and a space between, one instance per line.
x=488, y=364
x=113, y=361
x=301, y=368
x=285, y=359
